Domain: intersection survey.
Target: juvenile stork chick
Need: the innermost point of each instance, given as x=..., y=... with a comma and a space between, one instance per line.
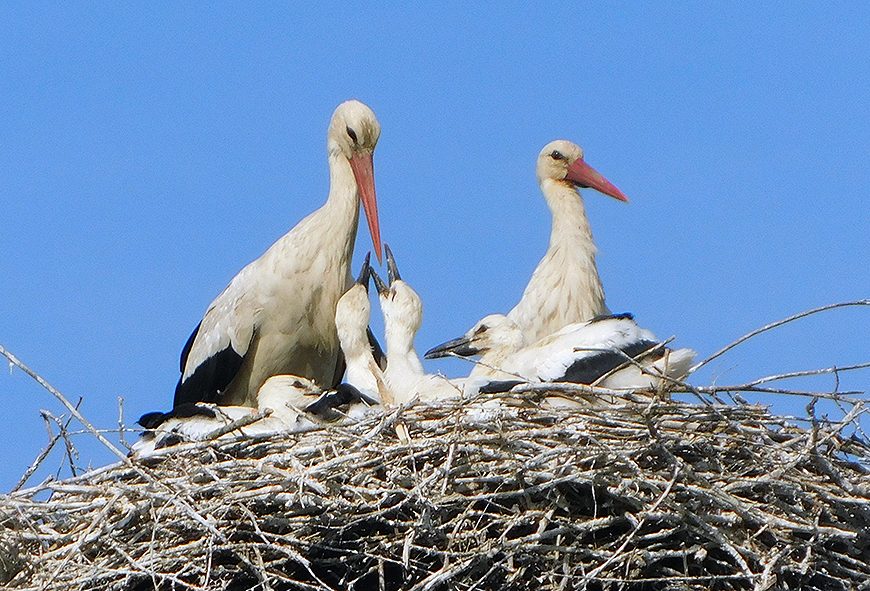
x=352, y=314
x=292, y=404
x=403, y=315
x=598, y=352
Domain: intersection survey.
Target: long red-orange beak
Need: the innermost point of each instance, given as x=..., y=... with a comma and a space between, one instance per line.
x=583, y=175
x=364, y=173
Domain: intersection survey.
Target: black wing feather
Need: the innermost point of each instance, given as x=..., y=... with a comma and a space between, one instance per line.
x=620, y=316
x=324, y=407
x=344, y=394
x=209, y=379
x=151, y=420
x=185, y=351
x=588, y=369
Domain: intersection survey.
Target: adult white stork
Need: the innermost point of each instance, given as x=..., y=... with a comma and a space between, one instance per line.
x=403, y=315
x=565, y=287
x=277, y=316
x=294, y=404
x=352, y=316
x=610, y=351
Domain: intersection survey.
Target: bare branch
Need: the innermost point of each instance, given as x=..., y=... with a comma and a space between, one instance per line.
x=53, y=439
x=773, y=325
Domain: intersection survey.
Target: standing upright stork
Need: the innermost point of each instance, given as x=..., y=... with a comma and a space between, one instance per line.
x=565, y=287
x=277, y=316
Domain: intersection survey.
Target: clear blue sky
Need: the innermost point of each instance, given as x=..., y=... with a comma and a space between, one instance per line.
x=148, y=153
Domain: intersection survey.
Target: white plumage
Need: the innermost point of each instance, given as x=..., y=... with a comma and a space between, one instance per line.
x=596, y=352
x=565, y=287
x=403, y=315
x=294, y=403
x=352, y=316
x=277, y=316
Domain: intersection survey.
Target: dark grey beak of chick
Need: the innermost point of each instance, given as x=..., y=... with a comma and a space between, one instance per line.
x=392, y=269
x=383, y=290
x=460, y=347
x=392, y=273
x=365, y=272
x=344, y=394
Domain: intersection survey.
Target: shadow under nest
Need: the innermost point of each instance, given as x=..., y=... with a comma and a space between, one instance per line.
x=466, y=495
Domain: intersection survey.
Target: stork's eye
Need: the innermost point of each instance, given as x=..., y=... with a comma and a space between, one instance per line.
x=557, y=155
x=351, y=133
x=481, y=329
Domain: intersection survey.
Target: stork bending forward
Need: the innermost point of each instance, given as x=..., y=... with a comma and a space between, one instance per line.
x=277, y=316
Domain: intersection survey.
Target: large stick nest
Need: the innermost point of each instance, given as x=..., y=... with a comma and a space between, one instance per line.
x=459, y=495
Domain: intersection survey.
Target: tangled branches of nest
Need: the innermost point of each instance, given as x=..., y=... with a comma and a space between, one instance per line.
x=504, y=493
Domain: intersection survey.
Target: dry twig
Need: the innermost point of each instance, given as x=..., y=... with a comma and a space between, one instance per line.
x=503, y=491
x=512, y=496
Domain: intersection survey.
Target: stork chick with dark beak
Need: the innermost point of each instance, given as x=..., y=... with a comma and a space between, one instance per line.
x=610, y=351
x=287, y=404
x=352, y=316
x=403, y=315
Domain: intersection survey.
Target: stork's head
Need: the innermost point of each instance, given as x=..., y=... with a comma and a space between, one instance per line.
x=354, y=129
x=494, y=333
x=401, y=306
x=353, y=133
x=352, y=314
x=562, y=161
x=284, y=393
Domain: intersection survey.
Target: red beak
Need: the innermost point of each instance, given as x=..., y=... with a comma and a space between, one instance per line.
x=364, y=173
x=583, y=175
